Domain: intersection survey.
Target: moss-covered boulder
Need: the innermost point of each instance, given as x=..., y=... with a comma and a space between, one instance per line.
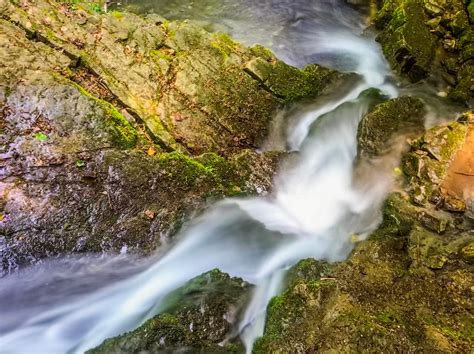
x=387, y=121
x=192, y=90
x=435, y=38
x=199, y=318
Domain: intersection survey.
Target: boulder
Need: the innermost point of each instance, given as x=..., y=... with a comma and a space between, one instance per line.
x=199, y=318
x=388, y=121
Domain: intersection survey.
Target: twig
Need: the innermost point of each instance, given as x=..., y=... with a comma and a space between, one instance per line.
x=465, y=174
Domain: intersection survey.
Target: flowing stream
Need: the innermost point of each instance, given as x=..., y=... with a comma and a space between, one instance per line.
x=319, y=205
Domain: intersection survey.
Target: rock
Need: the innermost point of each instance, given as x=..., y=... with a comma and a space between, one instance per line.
x=116, y=127
x=433, y=222
x=176, y=78
x=397, y=291
x=467, y=253
x=407, y=42
x=454, y=204
x=199, y=317
x=101, y=206
x=425, y=38
x=387, y=121
x=428, y=162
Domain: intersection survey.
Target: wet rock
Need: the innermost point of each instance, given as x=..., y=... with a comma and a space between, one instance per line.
x=436, y=223
x=403, y=291
x=427, y=163
x=467, y=253
x=407, y=42
x=454, y=204
x=103, y=206
x=429, y=39
x=199, y=318
x=388, y=121
x=116, y=127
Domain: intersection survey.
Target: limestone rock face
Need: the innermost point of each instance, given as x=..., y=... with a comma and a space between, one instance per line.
x=115, y=127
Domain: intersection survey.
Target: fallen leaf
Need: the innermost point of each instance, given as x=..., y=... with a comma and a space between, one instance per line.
x=150, y=214
x=151, y=151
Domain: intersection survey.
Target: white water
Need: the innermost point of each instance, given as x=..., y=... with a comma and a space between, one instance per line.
x=315, y=210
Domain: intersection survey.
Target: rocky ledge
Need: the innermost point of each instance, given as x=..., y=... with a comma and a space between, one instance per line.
x=114, y=127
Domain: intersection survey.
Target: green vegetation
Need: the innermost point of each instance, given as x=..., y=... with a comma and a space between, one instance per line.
x=41, y=137
x=123, y=134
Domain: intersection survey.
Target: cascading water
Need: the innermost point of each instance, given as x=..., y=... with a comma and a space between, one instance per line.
x=315, y=210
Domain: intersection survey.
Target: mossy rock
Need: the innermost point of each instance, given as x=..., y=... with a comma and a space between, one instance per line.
x=388, y=121
x=428, y=161
x=430, y=39
x=406, y=40
x=198, y=318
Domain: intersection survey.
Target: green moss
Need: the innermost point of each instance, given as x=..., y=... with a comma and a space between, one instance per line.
x=455, y=140
x=407, y=42
x=217, y=164
x=470, y=9
x=294, y=84
x=386, y=317
x=457, y=332
x=161, y=329
x=184, y=169
x=91, y=6
x=442, y=143
x=262, y=52
x=308, y=270
x=404, y=115
x=293, y=316
x=158, y=54
x=117, y=14
x=224, y=44
x=194, y=319
x=124, y=135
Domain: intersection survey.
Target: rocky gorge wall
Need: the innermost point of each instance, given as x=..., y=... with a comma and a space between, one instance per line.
x=97, y=108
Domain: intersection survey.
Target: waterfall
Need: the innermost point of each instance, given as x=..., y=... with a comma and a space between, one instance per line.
x=315, y=210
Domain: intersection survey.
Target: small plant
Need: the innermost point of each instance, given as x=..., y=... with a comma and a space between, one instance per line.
x=40, y=136
x=80, y=164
